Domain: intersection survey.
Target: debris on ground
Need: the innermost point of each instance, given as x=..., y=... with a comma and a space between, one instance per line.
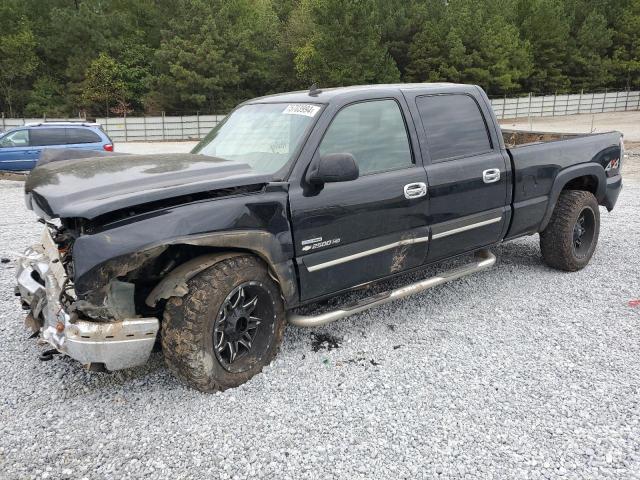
x=324, y=341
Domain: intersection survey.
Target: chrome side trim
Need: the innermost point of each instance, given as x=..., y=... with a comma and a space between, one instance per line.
x=484, y=259
x=373, y=251
x=453, y=231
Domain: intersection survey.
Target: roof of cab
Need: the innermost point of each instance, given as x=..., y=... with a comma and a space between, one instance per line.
x=325, y=95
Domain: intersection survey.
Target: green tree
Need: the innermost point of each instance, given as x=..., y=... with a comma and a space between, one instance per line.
x=214, y=54
x=105, y=84
x=18, y=59
x=72, y=34
x=210, y=54
x=626, y=49
x=471, y=41
x=283, y=8
x=589, y=65
x=338, y=42
x=47, y=97
x=400, y=21
x=545, y=25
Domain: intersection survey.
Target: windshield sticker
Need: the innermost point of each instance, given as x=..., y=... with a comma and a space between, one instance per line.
x=301, y=109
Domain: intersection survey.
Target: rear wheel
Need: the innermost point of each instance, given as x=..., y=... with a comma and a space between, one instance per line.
x=227, y=328
x=570, y=238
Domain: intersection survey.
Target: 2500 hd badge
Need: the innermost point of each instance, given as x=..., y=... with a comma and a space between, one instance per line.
x=315, y=243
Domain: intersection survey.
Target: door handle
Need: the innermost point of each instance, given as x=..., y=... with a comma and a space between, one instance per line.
x=415, y=190
x=491, y=176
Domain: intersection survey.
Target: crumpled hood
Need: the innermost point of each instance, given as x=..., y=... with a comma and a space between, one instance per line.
x=89, y=187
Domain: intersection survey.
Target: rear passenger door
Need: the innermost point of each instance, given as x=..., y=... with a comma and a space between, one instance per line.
x=357, y=231
x=467, y=174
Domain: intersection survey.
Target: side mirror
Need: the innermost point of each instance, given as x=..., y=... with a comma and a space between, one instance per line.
x=334, y=167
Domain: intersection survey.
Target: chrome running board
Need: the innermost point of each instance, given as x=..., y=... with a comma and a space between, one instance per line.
x=484, y=260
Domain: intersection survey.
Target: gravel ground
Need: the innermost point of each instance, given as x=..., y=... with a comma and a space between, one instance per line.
x=516, y=372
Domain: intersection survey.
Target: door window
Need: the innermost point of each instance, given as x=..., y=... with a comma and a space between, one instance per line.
x=19, y=138
x=454, y=126
x=373, y=132
x=41, y=137
x=81, y=135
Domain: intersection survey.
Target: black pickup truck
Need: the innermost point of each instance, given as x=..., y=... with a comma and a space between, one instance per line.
x=292, y=199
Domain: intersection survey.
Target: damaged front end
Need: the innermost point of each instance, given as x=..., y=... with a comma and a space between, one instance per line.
x=118, y=232
x=107, y=335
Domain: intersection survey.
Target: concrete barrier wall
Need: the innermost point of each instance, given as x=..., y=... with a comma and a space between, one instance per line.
x=195, y=127
x=185, y=127
x=140, y=129
x=558, y=105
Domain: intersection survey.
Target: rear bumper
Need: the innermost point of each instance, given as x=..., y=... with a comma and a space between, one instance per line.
x=41, y=279
x=614, y=187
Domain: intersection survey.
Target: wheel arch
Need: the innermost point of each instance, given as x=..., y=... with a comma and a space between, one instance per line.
x=589, y=177
x=174, y=283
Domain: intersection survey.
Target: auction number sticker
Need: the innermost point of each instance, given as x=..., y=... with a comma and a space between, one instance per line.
x=301, y=109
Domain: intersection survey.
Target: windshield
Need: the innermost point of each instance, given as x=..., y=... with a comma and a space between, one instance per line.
x=265, y=136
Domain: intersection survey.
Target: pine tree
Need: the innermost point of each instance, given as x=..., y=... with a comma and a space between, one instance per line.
x=546, y=27
x=211, y=54
x=589, y=65
x=18, y=60
x=215, y=54
x=471, y=41
x=626, y=51
x=338, y=42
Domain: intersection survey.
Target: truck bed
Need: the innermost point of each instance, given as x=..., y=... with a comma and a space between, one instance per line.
x=514, y=138
x=537, y=158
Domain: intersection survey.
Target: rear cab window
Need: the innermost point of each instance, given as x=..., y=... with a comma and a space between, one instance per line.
x=454, y=126
x=374, y=132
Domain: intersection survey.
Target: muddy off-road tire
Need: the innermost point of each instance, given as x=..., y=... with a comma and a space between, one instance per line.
x=227, y=328
x=570, y=238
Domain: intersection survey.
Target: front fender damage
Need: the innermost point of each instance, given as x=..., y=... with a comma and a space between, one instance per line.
x=118, y=303
x=108, y=291
x=263, y=244
x=103, y=295
x=175, y=283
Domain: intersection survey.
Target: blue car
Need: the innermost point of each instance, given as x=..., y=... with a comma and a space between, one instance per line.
x=20, y=147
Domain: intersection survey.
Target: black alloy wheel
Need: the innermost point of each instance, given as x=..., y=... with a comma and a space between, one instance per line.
x=227, y=327
x=238, y=323
x=571, y=236
x=583, y=232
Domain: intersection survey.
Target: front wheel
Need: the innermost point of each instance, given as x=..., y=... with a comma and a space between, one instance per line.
x=227, y=328
x=570, y=238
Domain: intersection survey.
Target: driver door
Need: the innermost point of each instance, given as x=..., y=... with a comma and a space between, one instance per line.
x=357, y=231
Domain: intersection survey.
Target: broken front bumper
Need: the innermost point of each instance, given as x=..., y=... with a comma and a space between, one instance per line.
x=119, y=344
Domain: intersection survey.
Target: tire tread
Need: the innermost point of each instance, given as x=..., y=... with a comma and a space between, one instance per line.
x=185, y=326
x=556, y=240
